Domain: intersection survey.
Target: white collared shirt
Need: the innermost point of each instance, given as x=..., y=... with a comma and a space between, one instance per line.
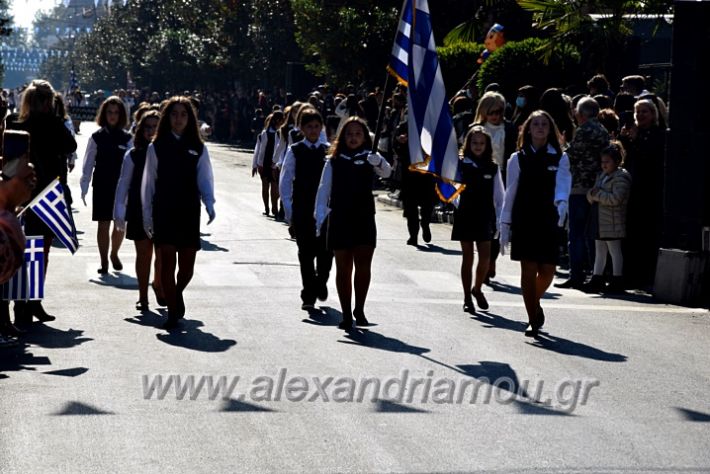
x=321, y=212
x=563, y=184
x=288, y=174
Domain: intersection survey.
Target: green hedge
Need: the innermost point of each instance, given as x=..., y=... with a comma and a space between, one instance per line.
x=458, y=63
x=519, y=63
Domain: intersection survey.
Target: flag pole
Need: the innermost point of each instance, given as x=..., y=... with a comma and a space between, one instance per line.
x=388, y=78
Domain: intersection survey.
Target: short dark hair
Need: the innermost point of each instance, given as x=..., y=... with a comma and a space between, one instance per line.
x=309, y=114
x=609, y=119
x=599, y=82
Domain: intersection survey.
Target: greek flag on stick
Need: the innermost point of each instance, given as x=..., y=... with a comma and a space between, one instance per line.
x=51, y=207
x=414, y=62
x=28, y=282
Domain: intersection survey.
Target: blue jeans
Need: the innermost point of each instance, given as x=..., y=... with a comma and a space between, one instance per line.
x=581, y=244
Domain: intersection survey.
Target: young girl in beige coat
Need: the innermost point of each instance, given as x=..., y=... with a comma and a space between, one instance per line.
x=609, y=198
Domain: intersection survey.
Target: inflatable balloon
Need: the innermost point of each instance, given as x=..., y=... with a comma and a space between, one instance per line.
x=494, y=40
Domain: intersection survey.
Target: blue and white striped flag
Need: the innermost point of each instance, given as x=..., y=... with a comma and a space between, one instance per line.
x=51, y=207
x=28, y=282
x=432, y=138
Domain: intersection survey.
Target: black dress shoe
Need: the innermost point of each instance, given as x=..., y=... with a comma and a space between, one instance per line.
x=323, y=293
x=360, y=318
x=158, y=298
x=142, y=305
x=540, y=317
x=426, y=233
x=469, y=307
x=116, y=262
x=480, y=299
x=412, y=241
x=171, y=323
x=10, y=330
x=102, y=270
x=531, y=331
x=346, y=323
x=573, y=284
x=35, y=309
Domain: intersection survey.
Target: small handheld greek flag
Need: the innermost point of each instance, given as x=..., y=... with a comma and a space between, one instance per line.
x=51, y=207
x=28, y=282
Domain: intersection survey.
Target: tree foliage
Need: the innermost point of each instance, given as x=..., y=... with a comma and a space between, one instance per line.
x=519, y=63
x=346, y=41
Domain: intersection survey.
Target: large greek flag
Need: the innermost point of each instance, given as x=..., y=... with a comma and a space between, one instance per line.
x=432, y=138
x=51, y=207
x=28, y=282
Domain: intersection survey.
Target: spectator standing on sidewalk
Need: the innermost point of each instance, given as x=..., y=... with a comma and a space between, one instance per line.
x=590, y=139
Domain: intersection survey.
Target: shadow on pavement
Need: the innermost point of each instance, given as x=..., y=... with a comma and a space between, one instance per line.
x=324, y=316
x=515, y=290
x=546, y=341
x=239, y=406
x=572, y=348
x=116, y=280
x=19, y=358
x=189, y=336
x=501, y=376
x=387, y=406
x=73, y=372
x=186, y=335
x=373, y=340
x=496, y=321
x=432, y=248
x=210, y=247
x=78, y=408
x=52, y=338
x=691, y=415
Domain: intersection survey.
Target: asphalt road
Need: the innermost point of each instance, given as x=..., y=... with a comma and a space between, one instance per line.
x=613, y=385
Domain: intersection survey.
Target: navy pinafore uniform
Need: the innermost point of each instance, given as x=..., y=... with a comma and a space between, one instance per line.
x=535, y=235
x=351, y=221
x=111, y=146
x=475, y=218
x=134, y=209
x=176, y=204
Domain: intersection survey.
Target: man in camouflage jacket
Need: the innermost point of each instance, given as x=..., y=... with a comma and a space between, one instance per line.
x=584, y=153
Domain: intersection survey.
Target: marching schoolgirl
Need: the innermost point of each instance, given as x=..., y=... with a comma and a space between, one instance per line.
x=127, y=212
x=178, y=173
x=264, y=164
x=103, y=160
x=476, y=216
x=535, y=207
x=345, y=198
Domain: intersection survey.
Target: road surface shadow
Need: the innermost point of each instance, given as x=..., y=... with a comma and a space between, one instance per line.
x=374, y=340
x=501, y=376
x=19, y=358
x=186, y=335
x=515, y=290
x=52, y=338
x=324, y=316
x=118, y=280
x=210, y=247
x=497, y=321
x=692, y=415
x=567, y=347
x=78, y=408
x=432, y=248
